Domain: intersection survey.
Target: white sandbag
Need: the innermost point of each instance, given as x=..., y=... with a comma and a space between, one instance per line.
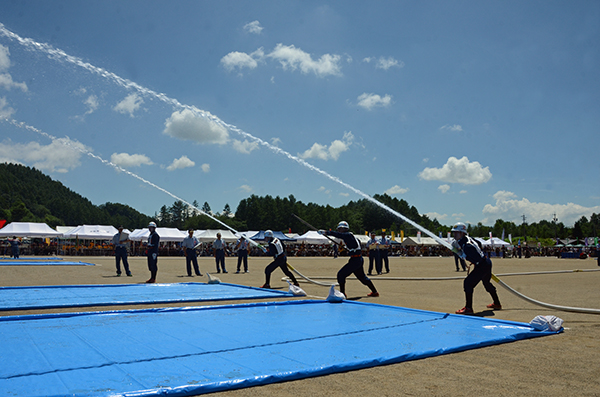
x=295, y=290
x=335, y=295
x=213, y=280
x=547, y=323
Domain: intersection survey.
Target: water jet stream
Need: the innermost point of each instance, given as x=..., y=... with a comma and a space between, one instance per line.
x=127, y=84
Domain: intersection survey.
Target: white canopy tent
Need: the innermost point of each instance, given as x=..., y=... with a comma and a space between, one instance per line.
x=28, y=229
x=92, y=232
x=496, y=242
x=166, y=234
x=209, y=236
x=427, y=241
x=313, y=237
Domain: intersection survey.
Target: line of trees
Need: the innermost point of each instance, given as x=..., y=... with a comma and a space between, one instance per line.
x=27, y=195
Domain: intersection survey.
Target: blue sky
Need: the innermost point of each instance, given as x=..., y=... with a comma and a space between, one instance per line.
x=471, y=111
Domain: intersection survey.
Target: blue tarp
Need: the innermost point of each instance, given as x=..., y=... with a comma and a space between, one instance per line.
x=60, y=296
x=188, y=351
x=29, y=262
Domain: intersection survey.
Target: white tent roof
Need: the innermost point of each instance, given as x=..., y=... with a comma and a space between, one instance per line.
x=362, y=238
x=64, y=229
x=28, y=229
x=247, y=234
x=415, y=241
x=210, y=236
x=312, y=237
x=92, y=232
x=165, y=233
x=496, y=242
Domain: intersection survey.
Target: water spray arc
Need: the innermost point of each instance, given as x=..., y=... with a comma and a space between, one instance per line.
x=127, y=84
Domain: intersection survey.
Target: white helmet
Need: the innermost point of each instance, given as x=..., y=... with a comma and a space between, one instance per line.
x=460, y=227
x=343, y=225
x=269, y=234
x=152, y=224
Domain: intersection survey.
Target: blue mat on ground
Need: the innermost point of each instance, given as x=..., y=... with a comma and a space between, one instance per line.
x=54, y=262
x=32, y=258
x=61, y=296
x=188, y=351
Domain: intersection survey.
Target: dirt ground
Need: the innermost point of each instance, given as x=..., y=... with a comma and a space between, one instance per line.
x=563, y=364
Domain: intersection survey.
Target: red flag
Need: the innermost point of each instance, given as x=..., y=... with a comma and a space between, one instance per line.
x=2, y=223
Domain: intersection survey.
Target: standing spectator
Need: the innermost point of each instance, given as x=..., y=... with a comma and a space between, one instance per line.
x=242, y=252
x=189, y=250
x=14, y=247
x=471, y=251
x=120, y=241
x=153, y=242
x=356, y=262
x=219, y=253
x=384, y=246
x=277, y=250
x=373, y=247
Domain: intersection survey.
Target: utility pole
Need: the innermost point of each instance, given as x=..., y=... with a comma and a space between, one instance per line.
x=555, y=221
x=524, y=228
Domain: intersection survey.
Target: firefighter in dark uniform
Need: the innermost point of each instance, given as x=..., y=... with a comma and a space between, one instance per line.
x=355, y=263
x=468, y=249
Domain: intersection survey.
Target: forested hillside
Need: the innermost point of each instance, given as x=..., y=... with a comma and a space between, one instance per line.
x=27, y=195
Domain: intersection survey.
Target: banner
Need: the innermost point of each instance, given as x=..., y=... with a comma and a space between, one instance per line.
x=448, y=238
x=401, y=235
x=419, y=237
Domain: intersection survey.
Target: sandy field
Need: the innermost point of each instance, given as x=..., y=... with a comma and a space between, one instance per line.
x=563, y=364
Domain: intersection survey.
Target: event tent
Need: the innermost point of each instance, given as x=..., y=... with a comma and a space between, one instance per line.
x=260, y=236
x=423, y=241
x=28, y=229
x=210, y=235
x=496, y=242
x=312, y=237
x=165, y=233
x=92, y=232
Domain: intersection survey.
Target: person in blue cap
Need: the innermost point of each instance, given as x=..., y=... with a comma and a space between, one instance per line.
x=189, y=244
x=467, y=248
x=120, y=242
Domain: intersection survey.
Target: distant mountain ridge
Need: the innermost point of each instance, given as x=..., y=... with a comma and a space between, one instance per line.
x=28, y=195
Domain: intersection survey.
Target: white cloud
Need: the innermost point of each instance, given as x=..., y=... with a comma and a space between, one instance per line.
x=387, y=63
x=509, y=208
x=426, y=160
x=246, y=188
x=240, y=60
x=444, y=188
x=127, y=160
x=369, y=101
x=453, y=128
x=396, y=190
x=6, y=80
x=61, y=155
x=185, y=125
x=368, y=59
x=458, y=171
x=275, y=142
x=129, y=105
x=205, y=168
x=245, y=146
x=462, y=192
x=92, y=104
x=294, y=58
x=5, y=110
x=324, y=190
x=334, y=150
x=344, y=194
x=182, y=162
x=4, y=58
x=253, y=27
x=435, y=215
